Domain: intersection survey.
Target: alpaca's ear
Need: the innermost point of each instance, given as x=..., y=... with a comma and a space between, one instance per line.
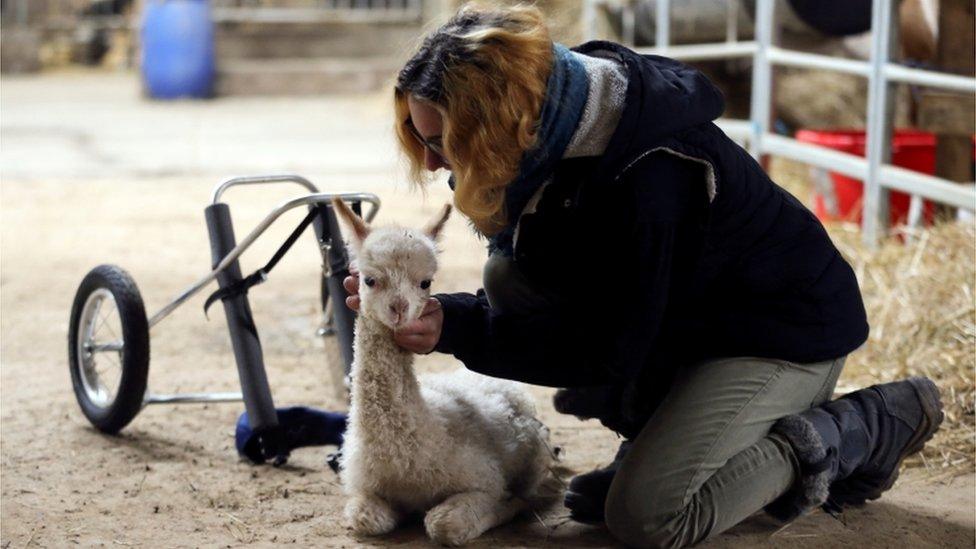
x=360, y=230
x=433, y=229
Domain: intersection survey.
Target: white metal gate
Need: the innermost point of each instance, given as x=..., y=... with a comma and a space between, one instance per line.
x=876, y=170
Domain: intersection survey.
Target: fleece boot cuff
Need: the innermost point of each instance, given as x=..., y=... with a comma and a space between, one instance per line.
x=814, y=457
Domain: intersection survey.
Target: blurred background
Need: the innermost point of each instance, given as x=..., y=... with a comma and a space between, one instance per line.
x=80, y=61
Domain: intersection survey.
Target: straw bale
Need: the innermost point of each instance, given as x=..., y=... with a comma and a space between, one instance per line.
x=918, y=291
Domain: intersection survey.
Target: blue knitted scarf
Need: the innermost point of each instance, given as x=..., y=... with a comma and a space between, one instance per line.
x=566, y=93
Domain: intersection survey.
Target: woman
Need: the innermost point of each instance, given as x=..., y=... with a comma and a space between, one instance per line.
x=642, y=260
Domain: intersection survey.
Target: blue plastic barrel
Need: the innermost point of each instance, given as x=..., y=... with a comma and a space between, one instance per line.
x=178, y=48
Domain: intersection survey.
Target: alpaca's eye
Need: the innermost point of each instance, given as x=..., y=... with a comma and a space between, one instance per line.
x=424, y=284
x=369, y=281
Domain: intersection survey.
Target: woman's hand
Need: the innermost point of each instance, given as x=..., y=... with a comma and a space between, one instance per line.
x=419, y=336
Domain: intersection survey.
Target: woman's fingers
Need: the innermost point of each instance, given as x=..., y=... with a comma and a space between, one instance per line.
x=429, y=321
x=351, y=284
x=421, y=335
x=431, y=306
x=420, y=344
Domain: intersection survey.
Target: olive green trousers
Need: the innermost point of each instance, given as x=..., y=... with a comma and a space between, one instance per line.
x=705, y=461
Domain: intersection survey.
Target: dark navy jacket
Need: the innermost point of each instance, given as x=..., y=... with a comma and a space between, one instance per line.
x=672, y=247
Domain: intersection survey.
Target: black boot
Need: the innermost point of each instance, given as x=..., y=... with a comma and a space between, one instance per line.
x=587, y=493
x=849, y=450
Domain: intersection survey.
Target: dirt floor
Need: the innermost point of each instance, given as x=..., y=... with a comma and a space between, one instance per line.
x=172, y=478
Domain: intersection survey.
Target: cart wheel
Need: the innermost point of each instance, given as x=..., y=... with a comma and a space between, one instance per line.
x=108, y=348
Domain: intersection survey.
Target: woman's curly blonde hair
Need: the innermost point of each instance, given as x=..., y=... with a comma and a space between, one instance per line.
x=486, y=71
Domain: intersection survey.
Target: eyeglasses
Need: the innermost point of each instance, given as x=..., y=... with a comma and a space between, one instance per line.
x=433, y=145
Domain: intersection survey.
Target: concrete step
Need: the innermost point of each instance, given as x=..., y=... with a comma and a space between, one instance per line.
x=304, y=76
x=263, y=40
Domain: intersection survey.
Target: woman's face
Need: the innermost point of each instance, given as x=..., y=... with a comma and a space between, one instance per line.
x=429, y=124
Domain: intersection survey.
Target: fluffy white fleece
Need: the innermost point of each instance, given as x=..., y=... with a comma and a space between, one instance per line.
x=463, y=449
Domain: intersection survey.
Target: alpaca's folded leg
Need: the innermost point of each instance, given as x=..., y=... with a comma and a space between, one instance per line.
x=465, y=516
x=369, y=515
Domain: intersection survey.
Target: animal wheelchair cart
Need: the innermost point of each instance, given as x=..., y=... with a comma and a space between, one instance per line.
x=108, y=339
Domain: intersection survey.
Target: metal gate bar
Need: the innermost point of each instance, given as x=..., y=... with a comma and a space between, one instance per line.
x=874, y=220
x=875, y=170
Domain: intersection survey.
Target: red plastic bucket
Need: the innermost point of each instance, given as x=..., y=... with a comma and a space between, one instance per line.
x=913, y=150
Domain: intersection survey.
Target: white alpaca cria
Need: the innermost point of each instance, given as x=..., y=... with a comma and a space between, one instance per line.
x=464, y=449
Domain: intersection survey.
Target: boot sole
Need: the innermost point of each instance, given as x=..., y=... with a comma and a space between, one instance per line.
x=932, y=417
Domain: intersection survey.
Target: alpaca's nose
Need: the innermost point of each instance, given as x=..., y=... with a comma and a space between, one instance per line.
x=398, y=309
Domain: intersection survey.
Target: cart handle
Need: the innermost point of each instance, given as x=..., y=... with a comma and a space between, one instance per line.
x=316, y=198
x=221, y=188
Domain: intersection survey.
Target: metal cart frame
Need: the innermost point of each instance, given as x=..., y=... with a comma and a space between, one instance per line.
x=225, y=252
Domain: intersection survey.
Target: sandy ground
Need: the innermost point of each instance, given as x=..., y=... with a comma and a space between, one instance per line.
x=172, y=478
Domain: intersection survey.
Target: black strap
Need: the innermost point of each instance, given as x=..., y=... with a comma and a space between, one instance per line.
x=260, y=275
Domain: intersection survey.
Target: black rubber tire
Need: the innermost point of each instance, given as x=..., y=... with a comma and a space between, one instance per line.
x=135, y=353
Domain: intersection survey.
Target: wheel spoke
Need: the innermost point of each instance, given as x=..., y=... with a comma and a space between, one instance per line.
x=112, y=332
x=106, y=372
x=108, y=326
x=102, y=319
x=98, y=372
x=98, y=318
x=100, y=366
x=116, y=361
x=91, y=368
x=102, y=384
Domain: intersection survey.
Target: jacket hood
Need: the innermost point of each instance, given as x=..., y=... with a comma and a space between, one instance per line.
x=663, y=97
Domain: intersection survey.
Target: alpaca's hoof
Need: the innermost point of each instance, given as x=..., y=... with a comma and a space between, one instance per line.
x=370, y=517
x=451, y=526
